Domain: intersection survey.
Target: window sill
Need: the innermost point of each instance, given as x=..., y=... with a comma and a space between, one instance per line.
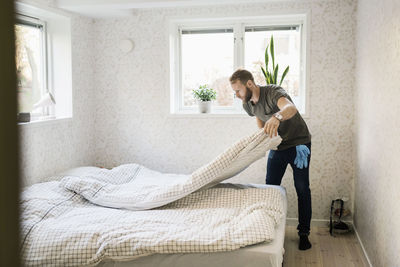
x=198, y=115
x=44, y=122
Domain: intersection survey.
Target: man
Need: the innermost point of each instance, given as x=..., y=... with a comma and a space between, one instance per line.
x=276, y=113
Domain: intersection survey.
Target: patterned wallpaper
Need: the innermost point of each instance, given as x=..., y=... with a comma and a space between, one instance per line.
x=121, y=108
x=377, y=198
x=50, y=148
x=132, y=103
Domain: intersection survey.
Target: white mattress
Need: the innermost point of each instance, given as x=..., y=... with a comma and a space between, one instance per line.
x=263, y=254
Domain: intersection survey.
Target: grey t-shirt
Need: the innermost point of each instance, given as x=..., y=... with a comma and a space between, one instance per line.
x=293, y=131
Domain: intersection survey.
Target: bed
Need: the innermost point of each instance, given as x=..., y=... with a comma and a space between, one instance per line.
x=131, y=215
x=61, y=228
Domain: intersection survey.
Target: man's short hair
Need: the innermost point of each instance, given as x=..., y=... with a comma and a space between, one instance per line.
x=242, y=75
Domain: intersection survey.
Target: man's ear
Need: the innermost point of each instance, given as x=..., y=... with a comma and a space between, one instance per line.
x=249, y=83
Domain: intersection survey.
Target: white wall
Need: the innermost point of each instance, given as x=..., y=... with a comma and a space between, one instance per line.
x=47, y=149
x=377, y=197
x=131, y=96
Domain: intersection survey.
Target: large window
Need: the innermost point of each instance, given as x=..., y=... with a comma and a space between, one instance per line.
x=208, y=52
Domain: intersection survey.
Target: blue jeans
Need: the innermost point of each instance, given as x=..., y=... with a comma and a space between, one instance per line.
x=276, y=166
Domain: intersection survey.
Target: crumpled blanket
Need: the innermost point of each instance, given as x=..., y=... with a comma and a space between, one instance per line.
x=134, y=187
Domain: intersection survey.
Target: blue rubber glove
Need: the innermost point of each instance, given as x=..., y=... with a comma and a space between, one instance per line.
x=301, y=160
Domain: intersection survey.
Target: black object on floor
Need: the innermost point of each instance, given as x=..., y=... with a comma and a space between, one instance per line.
x=304, y=243
x=337, y=226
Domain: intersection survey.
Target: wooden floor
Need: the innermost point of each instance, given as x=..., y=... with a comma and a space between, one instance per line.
x=326, y=251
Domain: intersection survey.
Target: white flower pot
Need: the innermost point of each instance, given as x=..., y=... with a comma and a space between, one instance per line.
x=204, y=106
x=24, y=95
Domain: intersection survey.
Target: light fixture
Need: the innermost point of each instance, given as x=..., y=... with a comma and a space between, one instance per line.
x=46, y=101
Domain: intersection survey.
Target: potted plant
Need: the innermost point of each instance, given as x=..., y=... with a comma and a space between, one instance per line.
x=204, y=96
x=24, y=91
x=271, y=77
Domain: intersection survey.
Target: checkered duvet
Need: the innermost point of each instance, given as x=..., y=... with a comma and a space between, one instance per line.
x=135, y=187
x=61, y=228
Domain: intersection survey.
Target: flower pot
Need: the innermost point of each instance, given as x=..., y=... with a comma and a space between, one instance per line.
x=24, y=96
x=204, y=106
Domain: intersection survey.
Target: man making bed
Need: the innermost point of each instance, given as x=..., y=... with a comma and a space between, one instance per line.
x=276, y=113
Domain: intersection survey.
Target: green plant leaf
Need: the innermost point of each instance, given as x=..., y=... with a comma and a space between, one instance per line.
x=263, y=71
x=271, y=76
x=272, y=51
x=276, y=74
x=204, y=93
x=284, y=74
x=268, y=77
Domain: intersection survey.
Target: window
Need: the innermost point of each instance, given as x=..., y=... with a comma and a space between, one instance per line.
x=31, y=63
x=208, y=51
x=287, y=53
x=43, y=62
x=207, y=57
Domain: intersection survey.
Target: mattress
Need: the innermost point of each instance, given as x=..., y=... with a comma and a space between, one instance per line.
x=262, y=254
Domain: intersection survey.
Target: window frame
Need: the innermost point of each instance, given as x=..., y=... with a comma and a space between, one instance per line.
x=219, y=109
x=30, y=21
x=58, y=42
x=238, y=24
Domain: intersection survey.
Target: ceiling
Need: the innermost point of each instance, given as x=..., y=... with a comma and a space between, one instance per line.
x=113, y=8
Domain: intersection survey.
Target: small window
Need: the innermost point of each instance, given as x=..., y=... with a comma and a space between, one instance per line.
x=31, y=64
x=43, y=63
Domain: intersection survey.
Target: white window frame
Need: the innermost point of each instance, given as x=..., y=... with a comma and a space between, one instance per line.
x=26, y=20
x=238, y=24
x=57, y=54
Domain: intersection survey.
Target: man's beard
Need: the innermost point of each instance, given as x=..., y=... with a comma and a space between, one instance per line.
x=248, y=95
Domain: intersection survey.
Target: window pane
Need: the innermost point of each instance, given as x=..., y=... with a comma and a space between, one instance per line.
x=287, y=53
x=29, y=66
x=207, y=58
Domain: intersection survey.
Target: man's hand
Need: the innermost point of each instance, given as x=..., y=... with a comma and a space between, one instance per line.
x=271, y=126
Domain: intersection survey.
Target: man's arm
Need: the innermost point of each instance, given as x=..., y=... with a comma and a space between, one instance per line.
x=287, y=109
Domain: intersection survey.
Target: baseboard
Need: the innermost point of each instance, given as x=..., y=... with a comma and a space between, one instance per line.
x=325, y=223
x=314, y=222
x=362, y=245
